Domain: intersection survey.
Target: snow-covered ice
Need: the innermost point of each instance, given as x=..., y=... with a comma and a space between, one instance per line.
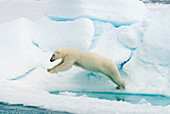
x=14, y=49
x=62, y=34
x=158, y=30
x=127, y=32
x=116, y=12
x=152, y=58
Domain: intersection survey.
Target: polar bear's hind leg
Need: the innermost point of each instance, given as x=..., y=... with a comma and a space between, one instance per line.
x=113, y=73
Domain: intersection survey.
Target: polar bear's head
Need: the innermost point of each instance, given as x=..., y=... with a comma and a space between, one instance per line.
x=56, y=55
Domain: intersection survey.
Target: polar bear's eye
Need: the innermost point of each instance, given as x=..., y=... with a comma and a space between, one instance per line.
x=58, y=52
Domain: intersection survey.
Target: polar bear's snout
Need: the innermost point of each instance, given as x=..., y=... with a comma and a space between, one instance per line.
x=52, y=58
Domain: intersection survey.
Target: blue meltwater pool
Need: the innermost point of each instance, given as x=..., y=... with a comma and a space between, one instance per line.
x=153, y=99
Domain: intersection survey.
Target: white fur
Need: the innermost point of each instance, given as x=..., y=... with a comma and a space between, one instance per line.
x=86, y=60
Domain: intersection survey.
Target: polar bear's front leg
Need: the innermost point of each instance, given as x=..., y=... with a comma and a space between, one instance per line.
x=52, y=70
x=65, y=65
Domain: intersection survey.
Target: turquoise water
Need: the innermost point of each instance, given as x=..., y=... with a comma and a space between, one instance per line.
x=153, y=99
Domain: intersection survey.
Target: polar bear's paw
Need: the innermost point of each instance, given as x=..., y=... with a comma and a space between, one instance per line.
x=50, y=70
x=118, y=87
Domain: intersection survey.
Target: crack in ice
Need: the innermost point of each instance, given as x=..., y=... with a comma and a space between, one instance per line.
x=25, y=74
x=123, y=63
x=116, y=24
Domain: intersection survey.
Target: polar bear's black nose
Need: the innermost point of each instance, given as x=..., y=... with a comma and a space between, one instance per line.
x=51, y=60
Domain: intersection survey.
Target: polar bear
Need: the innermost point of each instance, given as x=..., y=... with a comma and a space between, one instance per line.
x=86, y=60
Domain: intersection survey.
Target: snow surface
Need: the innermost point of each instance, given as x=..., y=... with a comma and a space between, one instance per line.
x=139, y=46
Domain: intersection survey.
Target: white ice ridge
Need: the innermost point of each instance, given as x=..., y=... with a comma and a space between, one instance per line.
x=152, y=58
x=118, y=12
